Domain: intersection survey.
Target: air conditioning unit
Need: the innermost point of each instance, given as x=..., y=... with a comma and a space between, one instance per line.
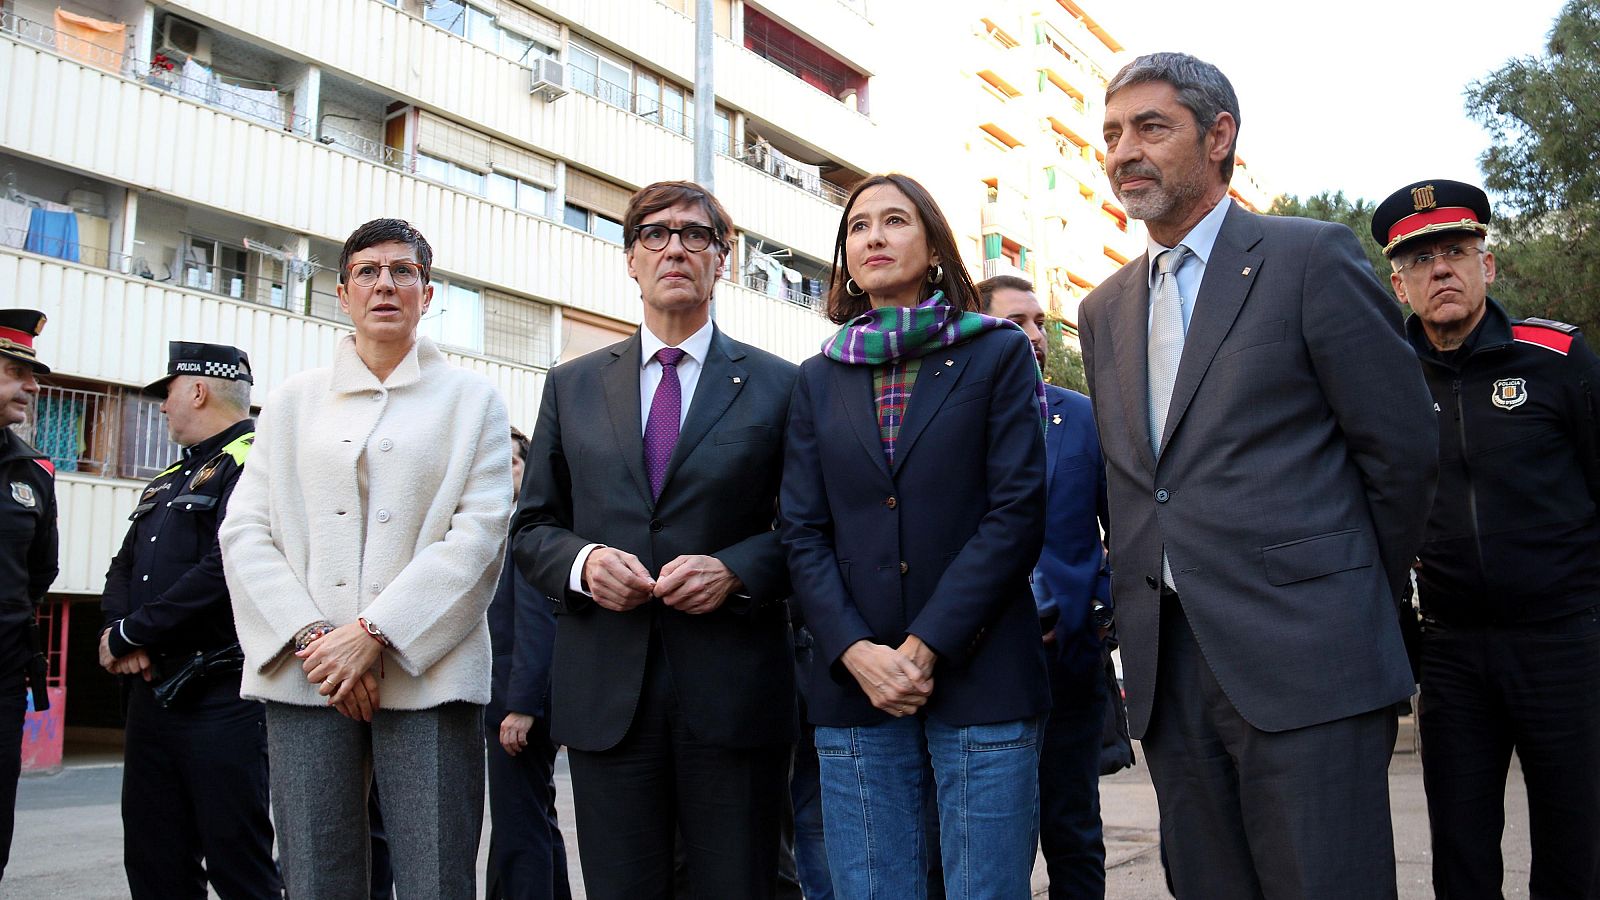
x=184, y=39
x=549, y=78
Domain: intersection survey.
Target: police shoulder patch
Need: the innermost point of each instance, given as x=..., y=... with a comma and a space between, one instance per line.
x=22, y=492
x=1552, y=339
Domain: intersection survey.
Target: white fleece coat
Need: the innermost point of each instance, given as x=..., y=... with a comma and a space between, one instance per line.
x=419, y=559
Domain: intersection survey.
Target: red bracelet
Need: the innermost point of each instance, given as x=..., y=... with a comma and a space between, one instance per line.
x=374, y=633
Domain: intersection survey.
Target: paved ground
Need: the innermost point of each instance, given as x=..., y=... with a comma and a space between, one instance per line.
x=69, y=835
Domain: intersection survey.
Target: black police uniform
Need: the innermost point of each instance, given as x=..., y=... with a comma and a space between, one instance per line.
x=195, y=780
x=1509, y=584
x=28, y=564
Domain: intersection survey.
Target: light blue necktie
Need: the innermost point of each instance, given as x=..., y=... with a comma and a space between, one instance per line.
x=1163, y=356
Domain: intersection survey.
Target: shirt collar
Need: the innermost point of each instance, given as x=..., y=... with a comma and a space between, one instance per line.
x=1200, y=239
x=696, y=345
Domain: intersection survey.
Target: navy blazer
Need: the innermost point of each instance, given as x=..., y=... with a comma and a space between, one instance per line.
x=522, y=633
x=940, y=547
x=1072, y=573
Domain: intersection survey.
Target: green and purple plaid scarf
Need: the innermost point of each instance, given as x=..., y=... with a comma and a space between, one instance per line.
x=891, y=334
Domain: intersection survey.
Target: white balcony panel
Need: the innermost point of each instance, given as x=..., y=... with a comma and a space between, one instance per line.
x=447, y=73
x=834, y=24
x=786, y=329
x=111, y=327
x=794, y=217
x=93, y=518
x=772, y=95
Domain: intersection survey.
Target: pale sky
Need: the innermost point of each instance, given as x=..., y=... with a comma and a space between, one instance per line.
x=1359, y=95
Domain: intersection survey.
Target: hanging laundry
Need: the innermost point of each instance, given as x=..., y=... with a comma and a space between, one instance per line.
x=98, y=43
x=14, y=219
x=197, y=83
x=53, y=234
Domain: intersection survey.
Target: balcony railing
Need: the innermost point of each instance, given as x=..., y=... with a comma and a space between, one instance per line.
x=113, y=432
x=190, y=80
x=367, y=148
x=761, y=155
x=758, y=282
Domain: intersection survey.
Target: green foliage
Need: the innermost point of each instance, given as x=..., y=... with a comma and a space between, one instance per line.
x=1335, y=207
x=1063, y=363
x=1542, y=113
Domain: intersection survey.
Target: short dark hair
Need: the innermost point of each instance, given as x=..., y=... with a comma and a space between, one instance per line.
x=1201, y=87
x=653, y=198
x=519, y=443
x=956, y=284
x=383, y=231
x=988, y=286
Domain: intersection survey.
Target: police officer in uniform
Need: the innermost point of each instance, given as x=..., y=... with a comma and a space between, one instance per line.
x=1509, y=574
x=195, y=781
x=27, y=551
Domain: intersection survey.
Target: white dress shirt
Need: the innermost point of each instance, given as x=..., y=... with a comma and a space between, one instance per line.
x=694, y=347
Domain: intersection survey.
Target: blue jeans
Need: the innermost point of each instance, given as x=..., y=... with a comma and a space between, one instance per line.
x=985, y=779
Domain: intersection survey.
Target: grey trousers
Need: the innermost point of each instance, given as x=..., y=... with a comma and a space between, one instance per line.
x=1248, y=814
x=428, y=765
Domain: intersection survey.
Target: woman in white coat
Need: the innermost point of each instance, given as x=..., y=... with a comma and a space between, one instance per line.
x=362, y=546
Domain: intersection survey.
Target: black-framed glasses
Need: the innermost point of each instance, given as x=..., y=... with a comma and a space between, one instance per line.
x=695, y=238
x=403, y=274
x=1451, y=255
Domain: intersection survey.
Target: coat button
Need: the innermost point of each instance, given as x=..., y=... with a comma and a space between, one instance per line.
x=339, y=513
x=655, y=525
x=145, y=578
x=1162, y=495
x=339, y=584
x=386, y=444
x=378, y=395
x=383, y=515
x=891, y=503
x=904, y=568
x=152, y=539
x=374, y=587
x=1151, y=582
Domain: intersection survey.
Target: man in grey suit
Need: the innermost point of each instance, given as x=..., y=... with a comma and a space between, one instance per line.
x=647, y=515
x=1270, y=462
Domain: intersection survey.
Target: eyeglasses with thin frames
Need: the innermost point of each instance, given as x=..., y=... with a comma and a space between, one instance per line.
x=695, y=238
x=403, y=274
x=1452, y=255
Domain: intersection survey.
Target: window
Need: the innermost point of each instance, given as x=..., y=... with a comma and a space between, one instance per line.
x=516, y=329
x=145, y=448
x=722, y=125
x=576, y=216
x=672, y=108
x=518, y=194
x=455, y=317
x=647, y=97
x=451, y=15
x=598, y=224
x=599, y=75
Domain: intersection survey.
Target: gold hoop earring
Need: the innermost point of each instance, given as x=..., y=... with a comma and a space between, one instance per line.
x=936, y=274
x=851, y=288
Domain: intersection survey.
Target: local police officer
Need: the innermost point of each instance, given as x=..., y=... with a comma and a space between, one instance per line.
x=195, y=781
x=1510, y=571
x=27, y=551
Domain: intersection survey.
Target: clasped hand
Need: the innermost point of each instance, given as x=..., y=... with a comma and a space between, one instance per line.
x=341, y=662
x=897, y=681
x=618, y=581
x=135, y=663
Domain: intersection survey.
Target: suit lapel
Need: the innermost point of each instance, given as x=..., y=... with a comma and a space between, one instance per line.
x=1129, y=312
x=620, y=381
x=1053, y=436
x=939, y=374
x=1230, y=272
x=853, y=386
x=721, y=378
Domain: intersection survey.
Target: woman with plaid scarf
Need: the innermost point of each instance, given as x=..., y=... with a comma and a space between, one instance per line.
x=913, y=510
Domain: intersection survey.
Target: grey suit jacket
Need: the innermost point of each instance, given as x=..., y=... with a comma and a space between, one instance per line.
x=732, y=669
x=1295, y=477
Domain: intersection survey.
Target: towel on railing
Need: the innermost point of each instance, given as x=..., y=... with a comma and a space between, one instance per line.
x=98, y=43
x=14, y=219
x=53, y=234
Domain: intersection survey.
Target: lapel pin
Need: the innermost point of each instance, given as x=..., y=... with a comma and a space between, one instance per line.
x=1246, y=271
x=737, y=380
x=1055, y=419
x=949, y=362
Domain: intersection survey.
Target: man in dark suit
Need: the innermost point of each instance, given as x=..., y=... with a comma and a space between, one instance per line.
x=1270, y=459
x=1072, y=592
x=527, y=856
x=647, y=516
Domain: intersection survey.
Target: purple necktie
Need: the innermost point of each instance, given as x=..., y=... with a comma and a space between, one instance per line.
x=666, y=411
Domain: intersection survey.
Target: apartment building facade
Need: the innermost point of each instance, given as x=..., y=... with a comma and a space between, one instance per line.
x=187, y=169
